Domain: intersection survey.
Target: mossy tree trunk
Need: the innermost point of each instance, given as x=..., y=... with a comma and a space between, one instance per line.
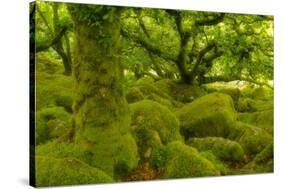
x=101, y=113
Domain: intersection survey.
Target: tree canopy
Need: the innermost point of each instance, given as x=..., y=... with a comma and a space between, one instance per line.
x=192, y=46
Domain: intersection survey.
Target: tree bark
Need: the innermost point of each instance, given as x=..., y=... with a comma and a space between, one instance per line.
x=101, y=113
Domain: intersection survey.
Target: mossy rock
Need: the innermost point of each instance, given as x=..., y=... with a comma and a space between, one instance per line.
x=209, y=115
x=185, y=161
x=252, y=139
x=219, y=165
x=224, y=149
x=262, y=163
x=225, y=88
x=251, y=105
x=67, y=171
x=51, y=123
x=153, y=124
x=145, y=81
x=149, y=89
x=48, y=65
x=261, y=119
x=179, y=91
x=134, y=94
x=163, y=101
x=119, y=152
x=64, y=101
x=50, y=88
x=100, y=155
x=262, y=93
x=265, y=155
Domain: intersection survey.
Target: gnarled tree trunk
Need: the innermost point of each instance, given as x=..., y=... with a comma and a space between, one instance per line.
x=101, y=113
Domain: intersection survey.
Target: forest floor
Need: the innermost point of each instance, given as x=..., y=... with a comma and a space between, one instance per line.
x=180, y=130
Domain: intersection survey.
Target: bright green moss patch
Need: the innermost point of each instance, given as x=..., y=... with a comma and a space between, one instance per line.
x=153, y=124
x=209, y=115
x=67, y=171
x=51, y=123
x=252, y=139
x=224, y=149
x=185, y=161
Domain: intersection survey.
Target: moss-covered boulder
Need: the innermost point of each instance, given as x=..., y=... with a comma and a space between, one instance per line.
x=145, y=81
x=99, y=156
x=265, y=155
x=226, y=88
x=209, y=115
x=262, y=93
x=251, y=105
x=45, y=63
x=67, y=171
x=51, y=123
x=53, y=89
x=134, y=94
x=179, y=91
x=163, y=101
x=224, y=149
x=252, y=139
x=185, y=161
x=64, y=101
x=114, y=156
x=262, y=163
x=153, y=124
x=219, y=165
x=261, y=119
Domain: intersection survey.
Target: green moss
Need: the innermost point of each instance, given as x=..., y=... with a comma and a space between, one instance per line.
x=252, y=139
x=51, y=123
x=134, y=94
x=153, y=124
x=219, y=165
x=253, y=167
x=163, y=101
x=45, y=63
x=148, y=89
x=265, y=155
x=159, y=157
x=97, y=155
x=262, y=93
x=225, y=88
x=65, y=101
x=68, y=171
x=185, y=161
x=261, y=119
x=209, y=115
x=108, y=155
x=145, y=81
x=224, y=149
x=251, y=105
x=50, y=88
x=179, y=91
